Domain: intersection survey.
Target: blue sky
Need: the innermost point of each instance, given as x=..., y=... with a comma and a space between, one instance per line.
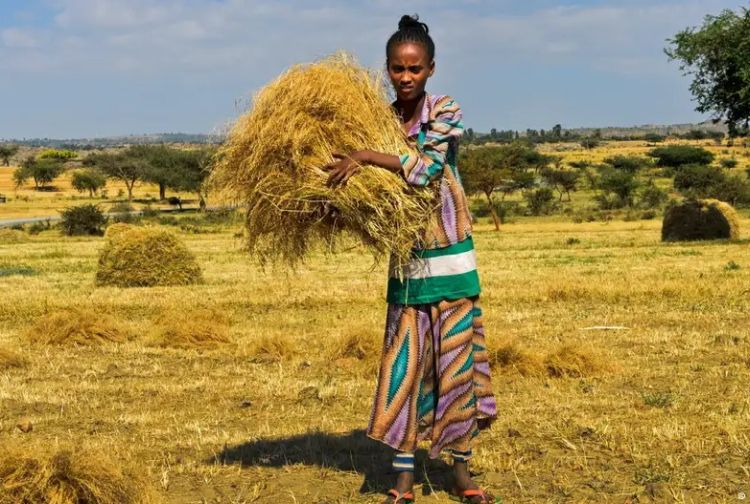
x=86, y=68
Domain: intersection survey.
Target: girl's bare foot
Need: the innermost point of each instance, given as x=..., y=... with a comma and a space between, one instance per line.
x=404, y=484
x=462, y=481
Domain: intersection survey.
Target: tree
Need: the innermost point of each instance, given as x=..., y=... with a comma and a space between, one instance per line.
x=59, y=155
x=564, y=181
x=7, y=151
x=89, y=179
x=124, y=166
x=718, y=57
x=43, y=171
x=491, y=169
x=160, y=165
x=557, y=131
x=193, y=168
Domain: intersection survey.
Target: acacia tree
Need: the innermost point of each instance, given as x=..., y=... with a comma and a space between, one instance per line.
x=123, y=166
x=7, y=151
x=501, y=169
x=89, y=179
x=161, y=165
x=43, y=171
x=718, y=57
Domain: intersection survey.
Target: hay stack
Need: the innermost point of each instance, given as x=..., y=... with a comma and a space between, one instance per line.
x=32, y=475
x=77, y=326
x=145, y=257
x=707, y=219
x=273, y=157
x=200, y=329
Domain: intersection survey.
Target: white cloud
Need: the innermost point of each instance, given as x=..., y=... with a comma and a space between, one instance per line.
x=16, y=38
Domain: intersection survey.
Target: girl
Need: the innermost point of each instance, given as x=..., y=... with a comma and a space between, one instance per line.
x=434, y=380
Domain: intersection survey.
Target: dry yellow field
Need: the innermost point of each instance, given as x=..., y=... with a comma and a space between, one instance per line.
x=657, y=411
x=27, y=202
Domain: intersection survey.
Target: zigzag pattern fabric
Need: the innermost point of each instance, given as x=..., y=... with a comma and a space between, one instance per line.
x=434, y=382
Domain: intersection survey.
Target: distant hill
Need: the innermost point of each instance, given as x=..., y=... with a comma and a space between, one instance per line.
x=200, y=138
x=666, y=130
x=118, y=141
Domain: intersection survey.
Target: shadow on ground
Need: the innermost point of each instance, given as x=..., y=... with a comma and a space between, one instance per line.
x=346, y=452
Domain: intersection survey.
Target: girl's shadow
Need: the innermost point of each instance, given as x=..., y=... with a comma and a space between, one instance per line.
x=347, y=452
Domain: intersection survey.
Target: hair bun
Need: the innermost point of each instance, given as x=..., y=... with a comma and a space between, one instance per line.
x=411, y=22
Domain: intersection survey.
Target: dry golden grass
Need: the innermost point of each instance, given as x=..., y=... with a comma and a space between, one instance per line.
x=11, y=359
x=137, y=256
x=78, y=326
x=198, y=329
x=274, y=157
x=229, y=426
x=38, y=475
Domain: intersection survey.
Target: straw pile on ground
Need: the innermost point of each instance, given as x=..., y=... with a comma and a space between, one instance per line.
x=78, y=326
x=135, y=256
x=707, y=219
x=8, y=236
x=30, y=475
x=274, y=156
x=10, y=359
x=200, y=329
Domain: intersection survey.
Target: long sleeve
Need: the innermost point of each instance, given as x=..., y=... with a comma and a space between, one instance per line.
x=425, y=163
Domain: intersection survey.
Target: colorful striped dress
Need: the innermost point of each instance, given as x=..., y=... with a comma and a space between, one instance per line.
x=434, y=379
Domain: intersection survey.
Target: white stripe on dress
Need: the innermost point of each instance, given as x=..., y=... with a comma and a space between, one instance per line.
x=429, y=267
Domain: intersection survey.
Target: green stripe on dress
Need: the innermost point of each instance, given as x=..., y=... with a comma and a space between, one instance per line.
x=428, y=290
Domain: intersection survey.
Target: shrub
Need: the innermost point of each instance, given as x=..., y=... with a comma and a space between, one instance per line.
x=674, y=156
x=697, y=179
x=654, y=137
x=733, y=189
x=700, y=220
x=589, y=143
x=83, y=220
x=618, y=188
x=651, y=196
x=39, y=226
x=540, y=201
x=149, y=212
x=627, y=163
x=728, y=162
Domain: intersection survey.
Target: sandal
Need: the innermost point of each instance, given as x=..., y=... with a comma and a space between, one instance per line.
x=401, y=498
x=465, y=496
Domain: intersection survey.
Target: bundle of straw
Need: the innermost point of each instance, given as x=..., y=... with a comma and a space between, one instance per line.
x=274, y=157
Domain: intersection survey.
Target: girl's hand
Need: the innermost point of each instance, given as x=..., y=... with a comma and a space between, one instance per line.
x=343, y=168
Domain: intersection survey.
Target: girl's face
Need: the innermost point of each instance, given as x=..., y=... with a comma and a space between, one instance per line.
x=409, y=67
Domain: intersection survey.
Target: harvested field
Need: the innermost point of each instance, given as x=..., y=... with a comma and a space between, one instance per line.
x=656, y=408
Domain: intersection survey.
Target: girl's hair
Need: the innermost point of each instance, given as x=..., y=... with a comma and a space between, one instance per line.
x=410, y=29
